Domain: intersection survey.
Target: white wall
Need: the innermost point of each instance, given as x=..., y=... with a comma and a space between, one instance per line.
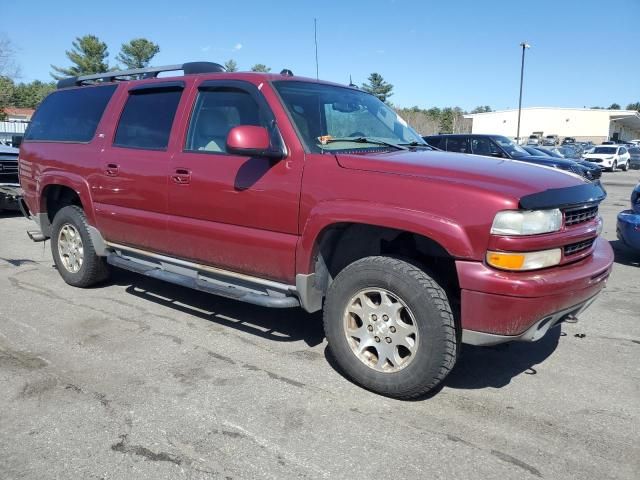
x=565, y=122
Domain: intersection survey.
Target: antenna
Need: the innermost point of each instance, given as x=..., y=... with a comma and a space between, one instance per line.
x=315, y=37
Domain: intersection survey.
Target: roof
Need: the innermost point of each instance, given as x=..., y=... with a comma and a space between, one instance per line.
x=18, y=111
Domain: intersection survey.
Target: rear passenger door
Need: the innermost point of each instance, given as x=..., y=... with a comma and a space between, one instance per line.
x=130, y=192
x=458, y=144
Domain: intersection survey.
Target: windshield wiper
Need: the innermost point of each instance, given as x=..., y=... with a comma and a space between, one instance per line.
x=417, y=144
x=365, y=140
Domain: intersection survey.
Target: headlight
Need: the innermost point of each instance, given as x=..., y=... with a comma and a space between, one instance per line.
x=525, y=260
x=526, y=222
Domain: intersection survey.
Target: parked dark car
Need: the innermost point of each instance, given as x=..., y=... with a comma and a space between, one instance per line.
x=502, y=147
x=568, y=140
x=634, y=159
x=556, y=152
x=628, y=228
x=9, y=184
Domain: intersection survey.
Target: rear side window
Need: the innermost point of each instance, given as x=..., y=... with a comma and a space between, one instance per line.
x=435, y=142
x=147, y=118
x=70, y=115
x=458, y=144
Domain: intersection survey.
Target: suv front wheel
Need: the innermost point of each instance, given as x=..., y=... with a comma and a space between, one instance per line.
x=73, y=251
x=390, y=327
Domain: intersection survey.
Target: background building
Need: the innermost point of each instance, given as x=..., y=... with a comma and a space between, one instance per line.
x=583, y=124
x=12, y=128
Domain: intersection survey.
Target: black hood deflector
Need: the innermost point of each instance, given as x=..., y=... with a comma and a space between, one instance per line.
x=564, y=197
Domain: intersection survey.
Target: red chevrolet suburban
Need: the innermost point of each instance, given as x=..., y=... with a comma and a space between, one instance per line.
x=285, y=191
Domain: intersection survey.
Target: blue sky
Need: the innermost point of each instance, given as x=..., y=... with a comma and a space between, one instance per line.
x=443, y=53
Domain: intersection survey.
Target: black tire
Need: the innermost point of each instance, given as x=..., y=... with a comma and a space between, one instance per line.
x=94, y=269
x=614, y=167
x=437, y=347
x=625, y=167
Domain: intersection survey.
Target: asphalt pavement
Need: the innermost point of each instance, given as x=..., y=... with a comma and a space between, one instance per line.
x=138, y=379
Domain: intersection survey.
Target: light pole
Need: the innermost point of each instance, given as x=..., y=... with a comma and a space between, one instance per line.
x=524, y=46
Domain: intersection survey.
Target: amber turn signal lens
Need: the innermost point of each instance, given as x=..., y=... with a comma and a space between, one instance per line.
x=506, y=261
x=524, y=260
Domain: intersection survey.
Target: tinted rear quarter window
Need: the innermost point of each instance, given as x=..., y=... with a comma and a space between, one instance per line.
x=70, y=115
x=434, y=141
x=147, y=118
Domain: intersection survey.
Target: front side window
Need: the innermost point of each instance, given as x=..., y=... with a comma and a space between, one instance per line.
x=216, y=112
x=330, y=118
x=147, y=118
x=484, y=146
x=512, y=148
x=70, y=115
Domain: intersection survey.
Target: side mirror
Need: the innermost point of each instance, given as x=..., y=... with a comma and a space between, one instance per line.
x=251, y=141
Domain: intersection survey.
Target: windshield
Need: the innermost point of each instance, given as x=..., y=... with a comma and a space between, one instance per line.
x=510, y=147
x=328, y=116
x=606, y=150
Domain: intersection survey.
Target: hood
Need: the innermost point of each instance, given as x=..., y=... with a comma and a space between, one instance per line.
x=563, y=163
x=513, y=177
x=599, y=155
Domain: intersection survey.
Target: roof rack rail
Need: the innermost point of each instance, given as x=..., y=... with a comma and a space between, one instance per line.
x=189, y=68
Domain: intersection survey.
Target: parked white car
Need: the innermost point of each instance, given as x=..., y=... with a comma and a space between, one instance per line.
x=609, y=157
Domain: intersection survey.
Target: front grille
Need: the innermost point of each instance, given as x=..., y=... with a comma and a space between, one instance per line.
x=595, y=173
x=8, y=167
x=578, y=247
x=576, y=216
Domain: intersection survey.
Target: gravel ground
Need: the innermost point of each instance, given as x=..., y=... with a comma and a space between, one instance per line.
x=140, y=379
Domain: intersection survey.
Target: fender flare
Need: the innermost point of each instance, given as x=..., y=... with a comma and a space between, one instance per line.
x=450, y=235
x=70, y=180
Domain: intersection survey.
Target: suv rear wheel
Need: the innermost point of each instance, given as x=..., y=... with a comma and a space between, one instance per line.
x=390, y=327
x=73, y=251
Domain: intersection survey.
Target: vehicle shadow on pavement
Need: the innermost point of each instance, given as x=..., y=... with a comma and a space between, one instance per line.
x=280, y=325
x=482, y=367
x=624, y=255
x=9, y=214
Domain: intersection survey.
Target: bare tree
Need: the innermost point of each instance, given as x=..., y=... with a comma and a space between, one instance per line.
x=8, y=65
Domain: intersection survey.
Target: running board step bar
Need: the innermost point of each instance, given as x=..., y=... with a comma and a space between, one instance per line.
x=240, y=290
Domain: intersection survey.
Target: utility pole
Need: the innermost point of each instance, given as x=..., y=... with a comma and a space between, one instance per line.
x=524, y=46
x=315, y=36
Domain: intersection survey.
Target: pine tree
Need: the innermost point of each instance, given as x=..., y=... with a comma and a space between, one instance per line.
x=260, y=67
x=231, y=65
x=137, y=53
x=378, y=87
x=89, y=55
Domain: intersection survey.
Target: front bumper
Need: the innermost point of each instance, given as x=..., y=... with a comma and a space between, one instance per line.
x=628, y=228
x=498, y=306
x=9, y=196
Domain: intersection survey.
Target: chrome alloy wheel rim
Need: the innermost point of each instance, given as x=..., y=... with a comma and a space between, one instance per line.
x=70, y=248
x=381, y=330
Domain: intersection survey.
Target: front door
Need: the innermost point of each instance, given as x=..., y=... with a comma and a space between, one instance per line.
x=235, y=212
x=130, y=191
